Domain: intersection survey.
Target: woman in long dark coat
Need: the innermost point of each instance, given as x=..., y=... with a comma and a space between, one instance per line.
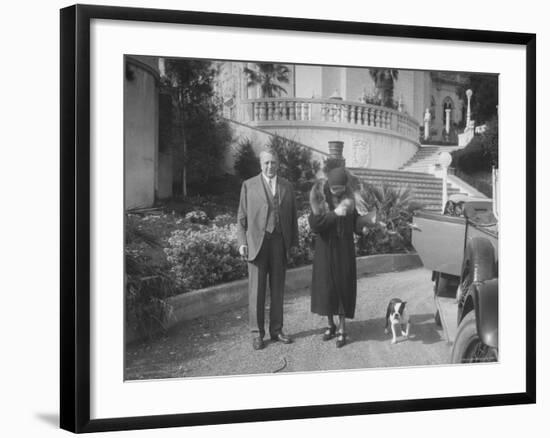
x=334, y=219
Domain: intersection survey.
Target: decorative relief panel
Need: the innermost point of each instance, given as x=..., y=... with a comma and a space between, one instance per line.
x=361, y=152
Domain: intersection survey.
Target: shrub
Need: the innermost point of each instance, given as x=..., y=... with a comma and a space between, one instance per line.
x=197, y=217
x=148, y=282
x=204, y=257
x=482, y=181
x=222, y=220
x=395, y=208
x=208, y=255
x=217, y=185
x=481, y=154
x=304, y=253
x=247, y=163
x=295, y=162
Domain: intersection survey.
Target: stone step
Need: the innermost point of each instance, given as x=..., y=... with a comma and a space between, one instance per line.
x=419, y=168
x=423, y=160
x=435, y=182
x=431, y=158
x=428, y=198
x=397, y=173
x=426, y=156
x=424, y=163
x=426, y=153
x=424, y=187
x=415, y=187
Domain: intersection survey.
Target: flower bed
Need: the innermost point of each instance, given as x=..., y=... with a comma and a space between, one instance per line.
x=198, y=248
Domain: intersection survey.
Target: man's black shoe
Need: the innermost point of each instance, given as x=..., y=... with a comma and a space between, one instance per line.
x=281, y=338
x=257, y=343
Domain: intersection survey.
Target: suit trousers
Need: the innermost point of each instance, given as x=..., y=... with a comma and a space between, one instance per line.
x=269, y=265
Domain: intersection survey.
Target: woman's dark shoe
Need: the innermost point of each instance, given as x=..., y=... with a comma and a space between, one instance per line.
x=340, y=340
x=329, y=333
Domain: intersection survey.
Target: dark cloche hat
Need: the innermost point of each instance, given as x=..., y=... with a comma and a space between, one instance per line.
x=337, y=177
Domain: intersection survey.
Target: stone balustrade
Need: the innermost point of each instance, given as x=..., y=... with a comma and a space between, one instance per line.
x=280, y=111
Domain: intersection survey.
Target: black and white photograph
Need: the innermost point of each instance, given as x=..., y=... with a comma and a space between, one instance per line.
x=275, y=219
x=285, y=218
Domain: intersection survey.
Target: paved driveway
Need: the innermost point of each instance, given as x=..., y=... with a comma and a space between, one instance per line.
x=221, y=344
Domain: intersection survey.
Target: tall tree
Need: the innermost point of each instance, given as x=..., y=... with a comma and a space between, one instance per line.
x=484, y=96
x=384, y=79
x=199, y=133
x=268, y=77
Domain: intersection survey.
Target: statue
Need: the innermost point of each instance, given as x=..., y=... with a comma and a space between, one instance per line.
x=427, y=118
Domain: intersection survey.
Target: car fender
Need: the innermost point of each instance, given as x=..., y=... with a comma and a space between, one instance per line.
x=481, y=259
x=478, y=266
x=485, y=298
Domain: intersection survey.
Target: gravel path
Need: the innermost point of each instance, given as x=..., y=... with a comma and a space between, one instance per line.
x=221, y=344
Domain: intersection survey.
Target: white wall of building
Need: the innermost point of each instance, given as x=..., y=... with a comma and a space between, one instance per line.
x=361, y=148
x=140, y=137
x=308, y=81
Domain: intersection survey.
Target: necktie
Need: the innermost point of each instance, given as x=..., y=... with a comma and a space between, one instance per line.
x=272, y=186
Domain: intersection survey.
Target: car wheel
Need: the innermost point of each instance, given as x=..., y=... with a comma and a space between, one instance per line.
x=468, y=347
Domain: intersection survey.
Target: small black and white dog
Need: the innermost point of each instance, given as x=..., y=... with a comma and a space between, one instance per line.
x=397, y=315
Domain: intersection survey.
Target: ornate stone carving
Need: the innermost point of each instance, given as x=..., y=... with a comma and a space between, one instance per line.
x=361, y=152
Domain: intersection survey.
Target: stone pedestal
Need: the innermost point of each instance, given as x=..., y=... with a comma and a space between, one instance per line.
x=336, y=156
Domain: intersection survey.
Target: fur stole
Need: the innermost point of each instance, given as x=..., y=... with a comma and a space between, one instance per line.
x=320, y=197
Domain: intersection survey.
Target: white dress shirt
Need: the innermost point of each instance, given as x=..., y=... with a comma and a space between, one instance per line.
x=271, y=183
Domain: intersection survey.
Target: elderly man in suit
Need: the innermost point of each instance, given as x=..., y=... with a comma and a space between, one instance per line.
x=268, y=229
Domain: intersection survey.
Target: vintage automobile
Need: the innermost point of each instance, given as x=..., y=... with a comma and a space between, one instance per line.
x=461, y=248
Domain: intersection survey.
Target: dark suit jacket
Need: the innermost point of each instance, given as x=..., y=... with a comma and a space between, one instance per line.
x=253, y=210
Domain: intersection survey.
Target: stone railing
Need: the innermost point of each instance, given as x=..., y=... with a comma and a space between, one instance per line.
x=279, y=111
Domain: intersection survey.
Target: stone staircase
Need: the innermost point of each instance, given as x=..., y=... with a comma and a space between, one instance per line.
x=426, y=158
x=426, y=188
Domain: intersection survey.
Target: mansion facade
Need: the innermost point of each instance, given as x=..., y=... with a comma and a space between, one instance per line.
x=327, y=103
x=315, y=106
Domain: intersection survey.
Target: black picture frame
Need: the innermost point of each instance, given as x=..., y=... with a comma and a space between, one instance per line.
x=75, y=216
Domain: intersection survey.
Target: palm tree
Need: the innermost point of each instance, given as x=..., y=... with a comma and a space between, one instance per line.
x=268, y=77
x=383, y=81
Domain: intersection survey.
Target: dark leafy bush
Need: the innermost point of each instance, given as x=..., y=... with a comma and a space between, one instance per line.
x=216, y=186
x=199, y=252
x=395, y=208
x=148, y=282
x=481, y=181
x=304, y=253
x=197, y=217
x=296, y=162
x=247, y=163
x=481, y=154
x=204, y=257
